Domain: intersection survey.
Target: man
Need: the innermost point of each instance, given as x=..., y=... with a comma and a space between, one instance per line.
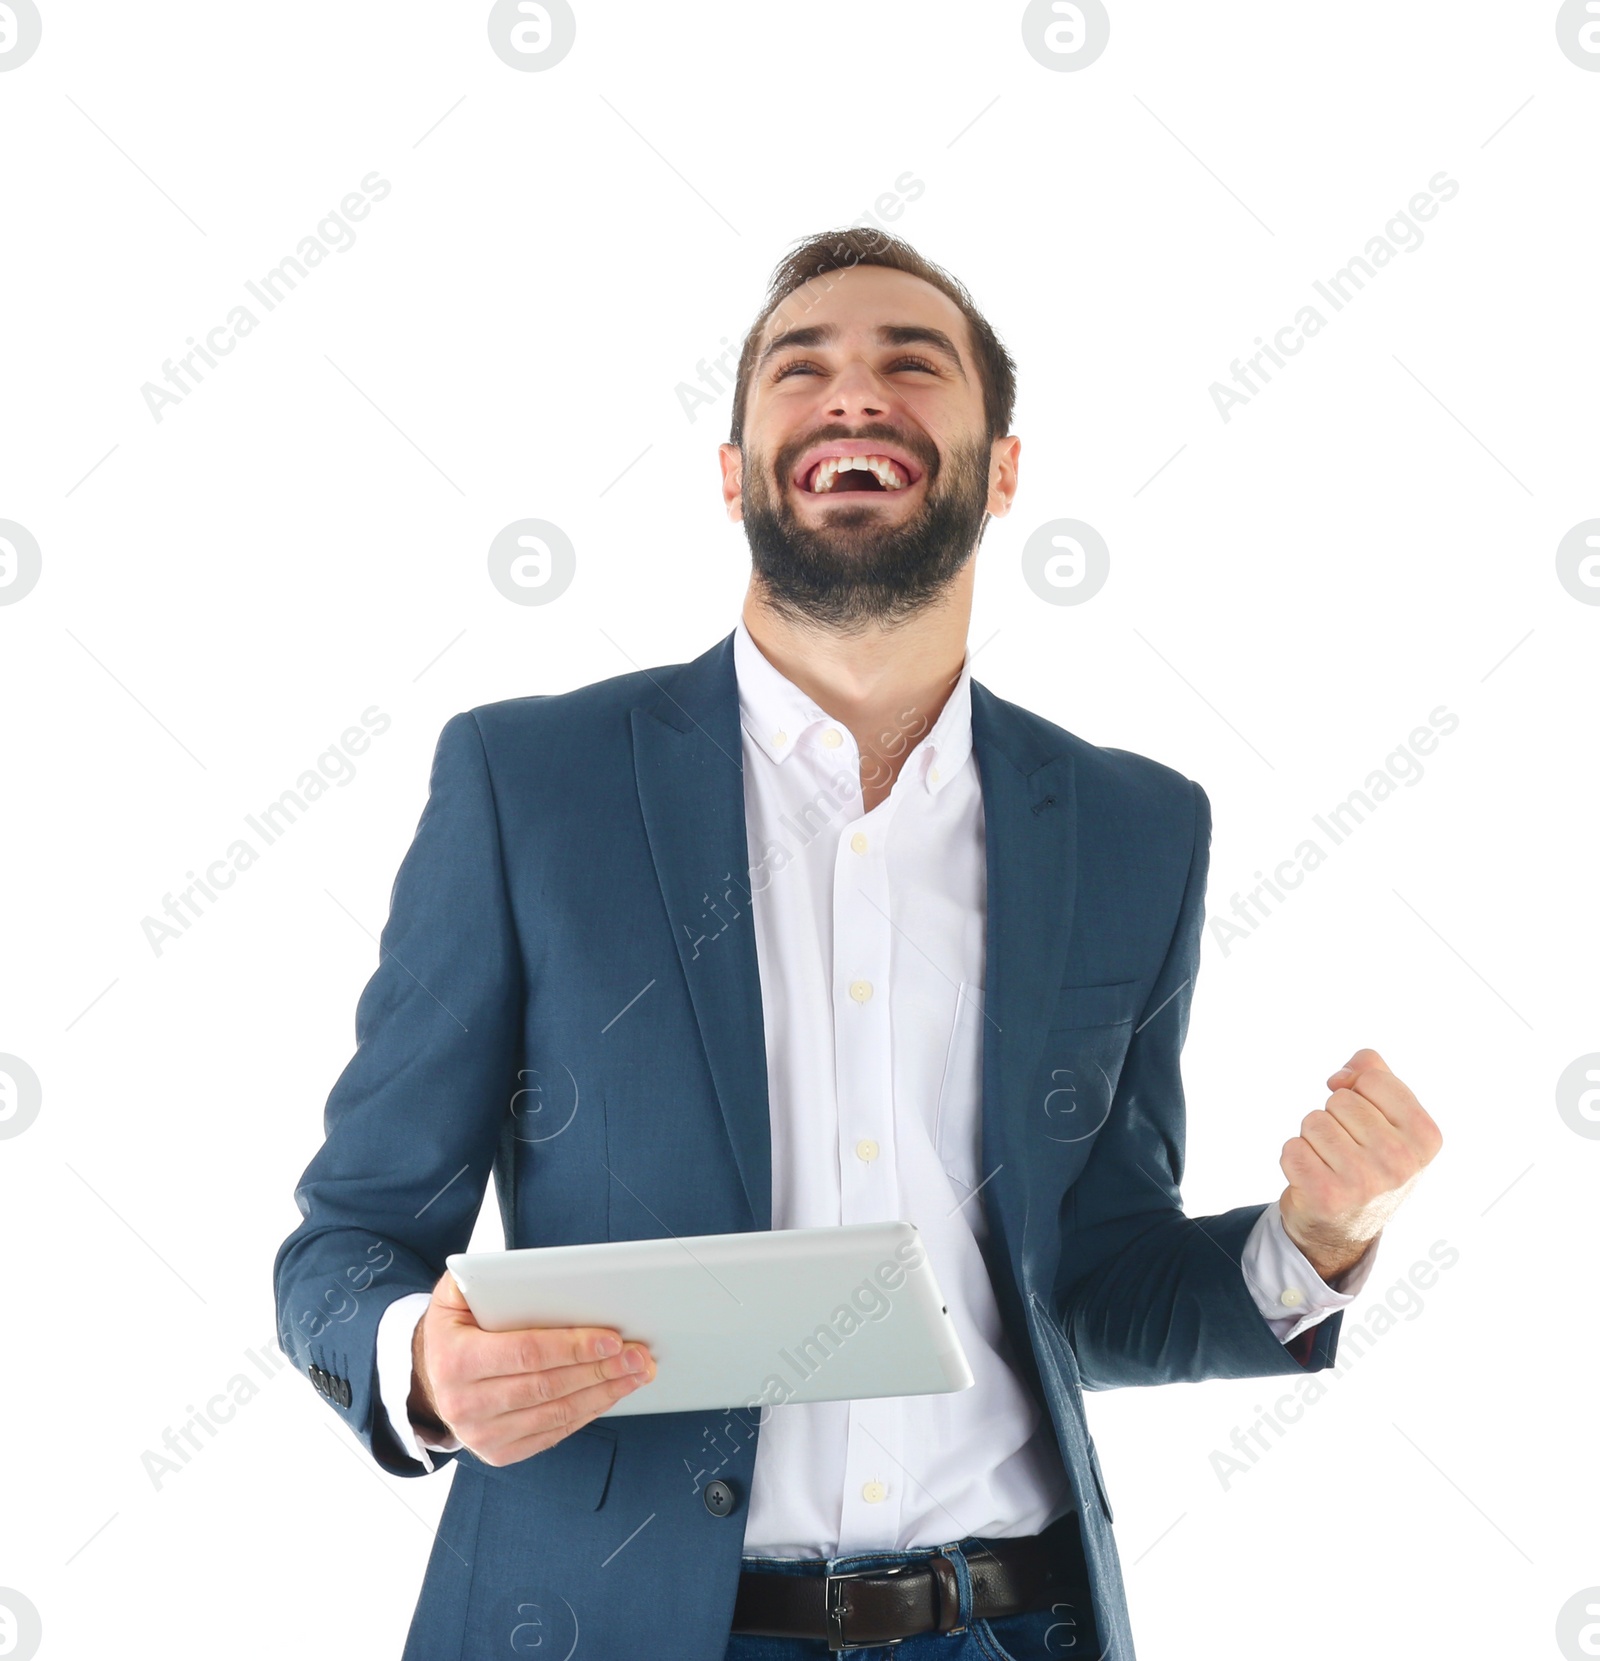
x=811, y=930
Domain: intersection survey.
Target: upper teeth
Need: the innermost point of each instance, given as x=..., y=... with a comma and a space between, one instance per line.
x=881, y=468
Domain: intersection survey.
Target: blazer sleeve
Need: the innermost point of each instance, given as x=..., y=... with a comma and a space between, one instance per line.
x=1146, y=1294
x=413, y=1121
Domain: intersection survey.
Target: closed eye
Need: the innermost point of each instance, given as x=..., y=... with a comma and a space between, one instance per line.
x=804, y=366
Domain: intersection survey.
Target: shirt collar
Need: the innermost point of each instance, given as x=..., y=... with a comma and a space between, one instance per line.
x=780, y=718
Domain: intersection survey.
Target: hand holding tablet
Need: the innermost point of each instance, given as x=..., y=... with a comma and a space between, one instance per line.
x=508, y=1395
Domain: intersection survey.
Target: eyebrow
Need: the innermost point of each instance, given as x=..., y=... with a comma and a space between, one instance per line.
x=889, y=334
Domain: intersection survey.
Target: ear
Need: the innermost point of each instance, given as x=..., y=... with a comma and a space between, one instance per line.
x=1002, y=475
x=732, y=480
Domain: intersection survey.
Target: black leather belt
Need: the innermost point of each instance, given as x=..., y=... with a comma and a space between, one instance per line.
x=879, y=1606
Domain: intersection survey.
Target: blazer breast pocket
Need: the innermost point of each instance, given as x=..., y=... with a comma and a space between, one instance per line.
x=1107, y=1005
x=1085, y=1045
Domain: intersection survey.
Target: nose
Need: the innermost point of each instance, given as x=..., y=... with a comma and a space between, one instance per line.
x=857, y=394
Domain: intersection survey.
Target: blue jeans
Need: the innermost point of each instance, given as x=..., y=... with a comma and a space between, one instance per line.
x=1064, y=1632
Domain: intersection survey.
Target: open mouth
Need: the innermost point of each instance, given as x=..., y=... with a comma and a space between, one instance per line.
x=874, y=472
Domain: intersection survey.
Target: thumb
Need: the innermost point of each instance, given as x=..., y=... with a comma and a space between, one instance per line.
x=447, y=1297
x=1359, y=1062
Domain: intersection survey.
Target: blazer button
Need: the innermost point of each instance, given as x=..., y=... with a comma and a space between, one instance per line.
x=719, y=1498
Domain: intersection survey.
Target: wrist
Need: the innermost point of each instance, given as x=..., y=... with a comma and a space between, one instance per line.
x=1338, y=1261
x=420, y=1407
x=1333, y=1266
x=1329, y=1257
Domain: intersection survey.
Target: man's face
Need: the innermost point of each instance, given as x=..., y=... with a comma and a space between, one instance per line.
x=865, y=472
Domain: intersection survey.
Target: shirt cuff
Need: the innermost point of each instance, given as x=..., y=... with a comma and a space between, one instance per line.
x=395, y=1328
x=1290, y=1295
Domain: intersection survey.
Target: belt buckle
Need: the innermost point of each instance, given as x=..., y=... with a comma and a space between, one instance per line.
x=833, y=1603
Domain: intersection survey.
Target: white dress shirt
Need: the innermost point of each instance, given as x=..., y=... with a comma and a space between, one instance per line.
x=870, y=943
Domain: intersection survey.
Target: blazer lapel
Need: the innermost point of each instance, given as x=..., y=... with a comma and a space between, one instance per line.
x=1030, y=830
x=689, y=770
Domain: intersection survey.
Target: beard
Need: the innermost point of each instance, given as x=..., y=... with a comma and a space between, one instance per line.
x=856, y=570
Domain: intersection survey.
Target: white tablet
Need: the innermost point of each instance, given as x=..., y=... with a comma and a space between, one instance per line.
x=741, y=1320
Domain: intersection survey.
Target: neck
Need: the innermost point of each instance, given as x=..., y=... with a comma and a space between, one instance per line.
x=887, y=685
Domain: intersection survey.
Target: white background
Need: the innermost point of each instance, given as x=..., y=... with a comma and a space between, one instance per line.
x=1291, y=592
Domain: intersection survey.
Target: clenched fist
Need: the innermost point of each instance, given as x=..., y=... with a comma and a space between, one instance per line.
x=1353, y=1162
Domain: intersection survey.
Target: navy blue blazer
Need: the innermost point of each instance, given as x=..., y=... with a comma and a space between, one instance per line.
x=584, y=854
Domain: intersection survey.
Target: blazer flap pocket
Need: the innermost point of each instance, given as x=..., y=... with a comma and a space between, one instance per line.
x=573, y=1471
x=1097, y=1006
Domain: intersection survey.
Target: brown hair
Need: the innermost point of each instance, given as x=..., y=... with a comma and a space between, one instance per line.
x=839, y=251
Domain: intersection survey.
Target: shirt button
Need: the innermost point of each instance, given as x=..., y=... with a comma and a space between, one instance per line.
x=780, y=738
x=933, y=773
x=1290, y=1296
x=867, y=1149
x=861, y=990
x=833, y=738
x=873, y=1492
x=859, y=843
